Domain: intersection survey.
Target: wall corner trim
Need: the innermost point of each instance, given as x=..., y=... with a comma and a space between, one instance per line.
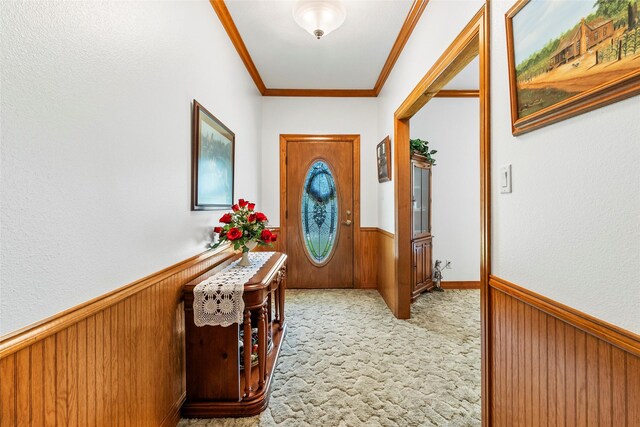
x=173, y=417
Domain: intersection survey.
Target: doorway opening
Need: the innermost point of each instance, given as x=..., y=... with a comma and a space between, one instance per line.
x=320, y=210
x=450, y=126
x=472, y=42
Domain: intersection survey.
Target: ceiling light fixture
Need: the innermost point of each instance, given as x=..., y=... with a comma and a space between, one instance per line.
x=319, y=17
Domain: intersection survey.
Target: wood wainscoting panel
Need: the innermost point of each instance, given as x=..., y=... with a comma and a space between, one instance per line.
x=551, y=369
x=117, y=359
x=369, y=258
x=386, y=267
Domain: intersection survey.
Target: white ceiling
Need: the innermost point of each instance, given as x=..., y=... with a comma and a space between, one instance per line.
x=351, y=57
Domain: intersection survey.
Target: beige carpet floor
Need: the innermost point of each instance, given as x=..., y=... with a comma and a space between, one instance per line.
x=347, y=361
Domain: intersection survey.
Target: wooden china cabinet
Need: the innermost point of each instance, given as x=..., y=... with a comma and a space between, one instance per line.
x=421, y=239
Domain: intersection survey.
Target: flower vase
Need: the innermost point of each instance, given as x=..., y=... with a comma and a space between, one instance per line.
x=248, y=247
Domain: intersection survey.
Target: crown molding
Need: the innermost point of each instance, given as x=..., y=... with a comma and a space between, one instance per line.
x=409, y=24
x=334, y=93
x=232, y=31
x=403, y=36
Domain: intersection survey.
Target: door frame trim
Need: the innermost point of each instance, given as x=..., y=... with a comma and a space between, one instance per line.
x=285, y=139
x=472, y=41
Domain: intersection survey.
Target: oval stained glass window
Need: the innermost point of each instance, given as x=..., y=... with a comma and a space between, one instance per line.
x=319, y=212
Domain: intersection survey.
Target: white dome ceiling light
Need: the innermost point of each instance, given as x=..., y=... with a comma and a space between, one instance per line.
x=319, y=17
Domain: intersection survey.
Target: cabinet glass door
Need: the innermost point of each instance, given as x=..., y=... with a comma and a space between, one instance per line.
x=420, y=196
x=417, y=200
x=426, y=227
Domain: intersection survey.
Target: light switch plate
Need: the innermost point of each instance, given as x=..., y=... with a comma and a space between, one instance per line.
x=505, y=179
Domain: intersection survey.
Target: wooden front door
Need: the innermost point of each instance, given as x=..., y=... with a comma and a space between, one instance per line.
x=319, y=213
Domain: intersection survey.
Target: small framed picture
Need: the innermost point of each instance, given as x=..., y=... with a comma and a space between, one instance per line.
x=383, y=151
x=212, y=162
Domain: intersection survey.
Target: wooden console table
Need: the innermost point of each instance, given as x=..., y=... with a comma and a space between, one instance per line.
x=217, y=384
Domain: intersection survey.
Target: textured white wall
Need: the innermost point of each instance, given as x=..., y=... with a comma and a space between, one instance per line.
x=439, y=25
x=571, y=228
x=452, y=126
x=320, y=116
x=95, y=154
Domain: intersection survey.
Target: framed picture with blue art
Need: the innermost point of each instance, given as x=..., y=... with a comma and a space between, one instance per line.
x=212, y=162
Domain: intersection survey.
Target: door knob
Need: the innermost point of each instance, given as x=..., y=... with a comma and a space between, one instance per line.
x=347, y=222
x=348, y=213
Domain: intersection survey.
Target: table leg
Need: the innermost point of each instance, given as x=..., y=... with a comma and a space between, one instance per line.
x=247, y=353
x=276, y=304
x=271, y=318
x=262, y=345
x=281, y=292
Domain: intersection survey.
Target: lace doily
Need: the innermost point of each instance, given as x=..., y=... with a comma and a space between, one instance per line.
x=218, y=300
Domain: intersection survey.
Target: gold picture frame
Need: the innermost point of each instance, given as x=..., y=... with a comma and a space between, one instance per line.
x=212, y=161
x=383, y=157
x=580, y=57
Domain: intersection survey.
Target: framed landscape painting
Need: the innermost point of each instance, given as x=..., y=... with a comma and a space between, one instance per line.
x=383, y=154
x=212, y=162
x=570, y=57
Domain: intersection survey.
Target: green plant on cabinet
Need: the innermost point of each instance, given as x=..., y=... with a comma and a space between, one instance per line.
x=421, y=147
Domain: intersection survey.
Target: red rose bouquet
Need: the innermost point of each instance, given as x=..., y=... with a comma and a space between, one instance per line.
x=244, y=228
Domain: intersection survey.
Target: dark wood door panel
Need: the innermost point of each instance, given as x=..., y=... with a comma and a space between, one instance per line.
x=336, y=270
